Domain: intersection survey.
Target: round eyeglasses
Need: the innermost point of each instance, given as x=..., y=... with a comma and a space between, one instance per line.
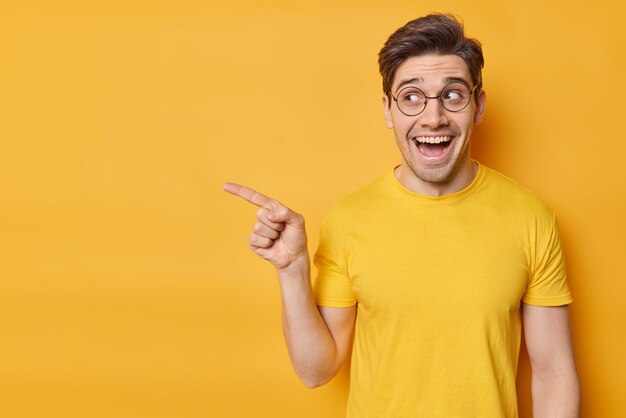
x=454, y=97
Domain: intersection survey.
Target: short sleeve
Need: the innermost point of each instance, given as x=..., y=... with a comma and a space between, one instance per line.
x=547, y=285
x=332, y=286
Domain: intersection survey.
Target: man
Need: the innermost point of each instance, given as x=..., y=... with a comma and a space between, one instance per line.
x=426, y=274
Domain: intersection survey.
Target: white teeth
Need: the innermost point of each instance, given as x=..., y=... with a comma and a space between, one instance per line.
x=432, y=139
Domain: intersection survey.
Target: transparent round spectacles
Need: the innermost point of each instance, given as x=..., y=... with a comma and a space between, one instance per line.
x=454, y=97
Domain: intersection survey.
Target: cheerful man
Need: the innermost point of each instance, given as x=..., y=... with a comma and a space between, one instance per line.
x=426, y=274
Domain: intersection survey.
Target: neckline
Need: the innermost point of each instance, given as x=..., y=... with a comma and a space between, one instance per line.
x=445, y=199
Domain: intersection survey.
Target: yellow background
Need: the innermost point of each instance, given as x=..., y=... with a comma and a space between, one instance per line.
x=126, y=285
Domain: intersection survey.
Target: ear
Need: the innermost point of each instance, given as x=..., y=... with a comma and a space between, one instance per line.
x=387, y=110
x=480, y=107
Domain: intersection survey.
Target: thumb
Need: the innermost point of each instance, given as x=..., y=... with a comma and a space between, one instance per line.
x=283, y=214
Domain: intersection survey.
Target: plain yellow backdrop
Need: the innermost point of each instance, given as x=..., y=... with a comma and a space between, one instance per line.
x=126, y=285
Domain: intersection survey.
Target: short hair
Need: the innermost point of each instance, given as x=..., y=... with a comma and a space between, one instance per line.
x=440, y=34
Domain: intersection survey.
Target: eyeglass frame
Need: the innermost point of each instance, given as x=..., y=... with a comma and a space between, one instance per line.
x=426, y=98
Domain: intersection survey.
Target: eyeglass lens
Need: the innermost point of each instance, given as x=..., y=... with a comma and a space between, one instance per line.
x=454, y=97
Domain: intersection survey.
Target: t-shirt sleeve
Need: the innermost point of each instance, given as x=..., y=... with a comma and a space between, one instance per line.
x=547, y=285
x=332, y=286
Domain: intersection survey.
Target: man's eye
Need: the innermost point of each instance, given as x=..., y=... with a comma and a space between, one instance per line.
x=412, y=98
x=452, y=95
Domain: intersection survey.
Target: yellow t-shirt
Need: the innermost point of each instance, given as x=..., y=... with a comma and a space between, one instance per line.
x=438, y=283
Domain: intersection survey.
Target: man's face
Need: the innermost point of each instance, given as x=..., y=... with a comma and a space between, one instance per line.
x=434, y=144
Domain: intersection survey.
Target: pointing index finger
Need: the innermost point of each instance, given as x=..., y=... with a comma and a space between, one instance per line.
x=250, y=195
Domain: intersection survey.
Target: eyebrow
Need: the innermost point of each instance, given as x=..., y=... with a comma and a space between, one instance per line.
x=456, y=80
x=420, y=80
x=414, y=80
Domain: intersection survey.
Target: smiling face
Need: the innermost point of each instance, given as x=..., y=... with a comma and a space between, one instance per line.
x=435, y=144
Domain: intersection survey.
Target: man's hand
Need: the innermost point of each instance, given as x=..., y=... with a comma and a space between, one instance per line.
x=279, y=235
x=318, y=340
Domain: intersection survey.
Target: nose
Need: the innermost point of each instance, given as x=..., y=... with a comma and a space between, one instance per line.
x=434, y=115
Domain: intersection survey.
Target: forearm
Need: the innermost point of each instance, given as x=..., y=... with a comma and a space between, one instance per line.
x=556, y=394
x=279, y=237
x=311, y=346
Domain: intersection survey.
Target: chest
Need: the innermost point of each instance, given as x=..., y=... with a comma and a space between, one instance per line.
x=431, y=264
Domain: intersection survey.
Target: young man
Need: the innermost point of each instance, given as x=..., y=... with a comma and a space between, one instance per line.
x=426, y=274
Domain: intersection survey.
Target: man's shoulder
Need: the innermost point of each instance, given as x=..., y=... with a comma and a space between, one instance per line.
x=510, y=193
x=359, y=204
x=366, y=195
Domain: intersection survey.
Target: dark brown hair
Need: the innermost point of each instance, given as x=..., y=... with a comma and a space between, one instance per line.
x=440, y=34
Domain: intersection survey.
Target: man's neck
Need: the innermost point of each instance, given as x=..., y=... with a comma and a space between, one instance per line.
x=459, y=181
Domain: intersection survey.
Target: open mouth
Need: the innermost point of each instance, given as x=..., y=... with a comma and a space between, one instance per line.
x=433, y=146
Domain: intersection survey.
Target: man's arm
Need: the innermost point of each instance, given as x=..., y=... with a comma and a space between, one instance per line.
x=318, y=340
x=555, y=386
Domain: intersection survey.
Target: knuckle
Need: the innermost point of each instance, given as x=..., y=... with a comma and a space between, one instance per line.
x=252, y=239
x=257, y=241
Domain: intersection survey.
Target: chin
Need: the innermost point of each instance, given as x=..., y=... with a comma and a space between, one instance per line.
x=436, y=176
